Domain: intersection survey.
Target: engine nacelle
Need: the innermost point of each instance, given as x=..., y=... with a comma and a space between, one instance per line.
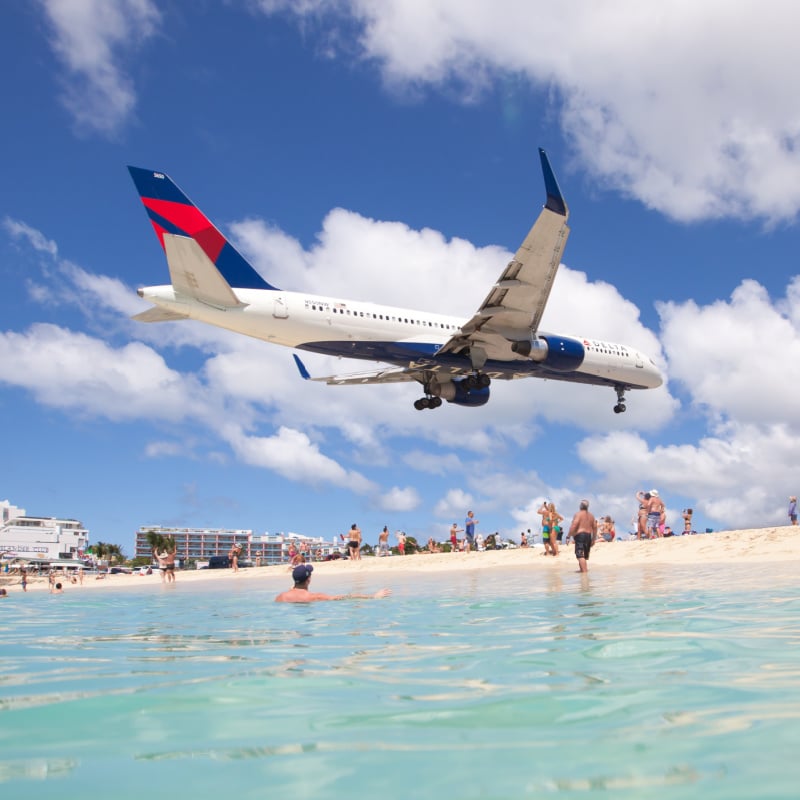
x=559, y=353
x=456, y=392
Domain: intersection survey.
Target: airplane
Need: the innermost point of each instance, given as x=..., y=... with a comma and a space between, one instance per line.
x=454, y=359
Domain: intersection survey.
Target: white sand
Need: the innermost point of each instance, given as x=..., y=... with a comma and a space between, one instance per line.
x=747, y=546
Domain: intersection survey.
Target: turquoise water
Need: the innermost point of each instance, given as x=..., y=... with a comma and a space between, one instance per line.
x=637, y=683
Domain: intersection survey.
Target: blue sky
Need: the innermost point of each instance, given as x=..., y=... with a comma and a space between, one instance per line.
x=387, y=151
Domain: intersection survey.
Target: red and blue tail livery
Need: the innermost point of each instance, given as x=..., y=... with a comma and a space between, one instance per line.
x=171, y=211
x=453, y=359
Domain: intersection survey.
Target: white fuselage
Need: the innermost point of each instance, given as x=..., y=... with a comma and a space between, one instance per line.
x=400, y=336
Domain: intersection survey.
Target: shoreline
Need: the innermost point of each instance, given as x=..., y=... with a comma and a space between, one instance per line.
x=755, y=545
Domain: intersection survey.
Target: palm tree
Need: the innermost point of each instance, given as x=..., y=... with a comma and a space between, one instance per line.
x=155, y=540
x=99, y=550
x=114, y=553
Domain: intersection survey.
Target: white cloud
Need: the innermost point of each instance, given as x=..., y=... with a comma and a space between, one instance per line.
x=35, y=238
x=89, y=37
x=735, y=357
x=291, y=453
x=691, y=109
x=454, y=505
x=70, y=370
x=433, y=463
x=397, y=499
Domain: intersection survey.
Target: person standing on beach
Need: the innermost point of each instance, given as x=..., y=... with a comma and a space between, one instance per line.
x=166, y=565
x=641, y=524
x=687, y=521
x=233, y=556
x=24, y=579
x=554, y=523
x=454, y=531
x=583, y=531
x=354, y=543
x=655, y=515
x=401, y=542
x=544, y=512
x=301, y=575
x=793, y=509
x=383, y=541
x=469, y=530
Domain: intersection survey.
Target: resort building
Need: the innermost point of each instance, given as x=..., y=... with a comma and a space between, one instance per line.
x=40, y=539
x=197, y=544
x=277, y=548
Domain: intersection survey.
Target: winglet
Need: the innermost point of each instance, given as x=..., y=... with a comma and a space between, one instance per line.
x=555, y=200
x=304, y=374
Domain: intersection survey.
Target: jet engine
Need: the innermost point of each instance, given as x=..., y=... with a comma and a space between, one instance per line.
x=456, y=392
x=559, y=353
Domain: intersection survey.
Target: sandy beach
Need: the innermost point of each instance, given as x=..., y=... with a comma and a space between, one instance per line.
x=761, y=545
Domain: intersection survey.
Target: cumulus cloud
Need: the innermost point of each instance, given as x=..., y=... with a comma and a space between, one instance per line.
x=90, y=37
x=454, y=504
x=691, y=110
x=69, y=370
x=398, y=500
x=291, y=453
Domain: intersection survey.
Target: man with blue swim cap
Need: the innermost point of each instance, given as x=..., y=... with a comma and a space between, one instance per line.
x=301, y=575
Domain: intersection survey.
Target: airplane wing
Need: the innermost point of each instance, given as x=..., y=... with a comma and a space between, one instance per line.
x=390, y=375
x=513, y=308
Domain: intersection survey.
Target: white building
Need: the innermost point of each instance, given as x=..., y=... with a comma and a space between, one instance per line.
x=276, y=548
x=40, y=538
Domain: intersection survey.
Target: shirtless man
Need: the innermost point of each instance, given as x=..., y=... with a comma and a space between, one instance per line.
x=383, y=541
x=354, y=542
x=301, y=575
x=454, y=531
x=655, y=515
x=583, y=531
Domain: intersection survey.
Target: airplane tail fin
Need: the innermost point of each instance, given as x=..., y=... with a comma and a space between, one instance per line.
x=171, y=212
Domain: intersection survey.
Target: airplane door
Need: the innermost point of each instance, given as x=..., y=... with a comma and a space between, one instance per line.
x=280, y=310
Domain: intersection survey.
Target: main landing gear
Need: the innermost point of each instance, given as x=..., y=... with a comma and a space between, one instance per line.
x=620, y=406
x=432, y=399
x=427, y=402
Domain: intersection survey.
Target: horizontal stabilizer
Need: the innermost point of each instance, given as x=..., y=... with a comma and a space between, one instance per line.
x=194, y=274
x=157, y=314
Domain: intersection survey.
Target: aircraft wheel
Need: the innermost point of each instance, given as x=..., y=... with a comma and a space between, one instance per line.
x=619, y=408
x=421, y=404
x=434, y=402
x=484, y=381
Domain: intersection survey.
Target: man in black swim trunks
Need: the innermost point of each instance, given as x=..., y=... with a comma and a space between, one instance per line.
x=583, y=531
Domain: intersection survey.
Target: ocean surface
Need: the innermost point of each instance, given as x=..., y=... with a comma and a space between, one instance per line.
x=646, y=682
